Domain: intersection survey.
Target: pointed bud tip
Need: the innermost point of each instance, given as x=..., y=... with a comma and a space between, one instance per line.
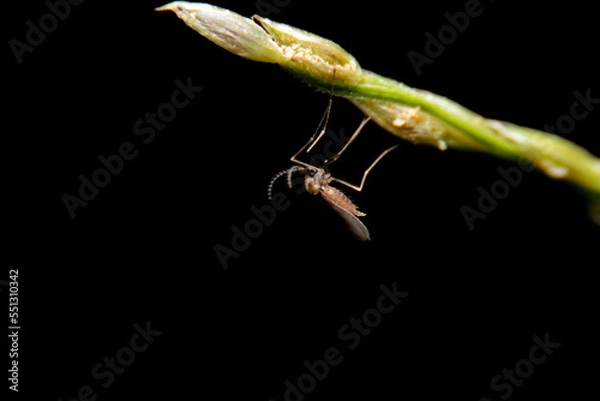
x=185, y=6
x=167, y=7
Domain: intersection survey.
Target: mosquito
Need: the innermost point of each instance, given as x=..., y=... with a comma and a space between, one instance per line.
x=317, y=180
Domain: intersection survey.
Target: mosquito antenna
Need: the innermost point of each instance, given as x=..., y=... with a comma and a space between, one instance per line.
x=275, y=177
x=325, y=119
x=289, y=173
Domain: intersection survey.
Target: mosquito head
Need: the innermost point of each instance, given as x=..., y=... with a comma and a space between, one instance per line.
x=314, y=179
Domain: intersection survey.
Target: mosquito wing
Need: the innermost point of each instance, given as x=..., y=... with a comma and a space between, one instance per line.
x=356, y=227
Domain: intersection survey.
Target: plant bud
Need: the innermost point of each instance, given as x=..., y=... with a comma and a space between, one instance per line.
x=231, y=31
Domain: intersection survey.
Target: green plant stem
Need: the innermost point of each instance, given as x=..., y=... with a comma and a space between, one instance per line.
x=415, y=115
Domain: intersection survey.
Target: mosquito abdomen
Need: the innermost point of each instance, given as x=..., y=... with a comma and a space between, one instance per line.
x=340, y=199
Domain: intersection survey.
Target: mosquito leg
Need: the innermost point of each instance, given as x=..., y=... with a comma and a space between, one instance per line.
x=352, y=138
x=325, y=119
x=312, y=138
x=367, y=171
x=321, y=128
x=322, y=125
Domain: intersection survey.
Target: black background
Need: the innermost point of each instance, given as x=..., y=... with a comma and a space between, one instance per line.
x=143, y=249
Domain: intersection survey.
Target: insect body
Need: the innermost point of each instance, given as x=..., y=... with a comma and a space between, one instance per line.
x=319, y=183
x=317, y=180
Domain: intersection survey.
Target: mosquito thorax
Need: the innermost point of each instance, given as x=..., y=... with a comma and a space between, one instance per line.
x=312, y=184
x=315, y=179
